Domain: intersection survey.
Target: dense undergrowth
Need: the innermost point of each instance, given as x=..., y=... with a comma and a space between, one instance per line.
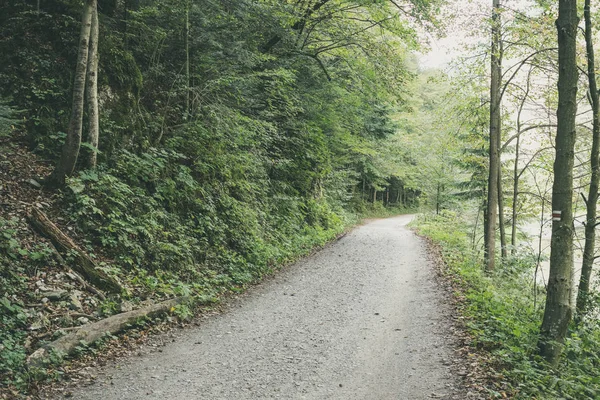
x=234, y=138
x=161, y=233
x=503, y=313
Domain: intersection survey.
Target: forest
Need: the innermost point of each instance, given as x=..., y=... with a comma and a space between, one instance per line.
x=160, y=155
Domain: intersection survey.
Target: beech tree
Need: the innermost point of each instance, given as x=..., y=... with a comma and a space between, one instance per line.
x=92, y=91
x=592, y=197
x=72, y=145
x=557, y=313
x=494, y=142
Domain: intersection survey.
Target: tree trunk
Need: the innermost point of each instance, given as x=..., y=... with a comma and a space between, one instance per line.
x=513, y=233
x=187, y=59
x=364, y=184
x=84, y=265
x=557, y=313
x=592, y=199
x=437, y=199
x=91, y=333
x=70, y=150
x=501, y=223
x=92, y=91
x=494, y=159
x=516, y=173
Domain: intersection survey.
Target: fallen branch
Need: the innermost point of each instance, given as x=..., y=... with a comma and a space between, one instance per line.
x=86, y=285
x=75, y=276
x=90, y=333
x=83, y=263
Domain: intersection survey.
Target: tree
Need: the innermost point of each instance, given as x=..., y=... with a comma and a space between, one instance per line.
x=592, y=198
x=71, y=147
x=494, y=142
x=92, y=92
x=557, y=313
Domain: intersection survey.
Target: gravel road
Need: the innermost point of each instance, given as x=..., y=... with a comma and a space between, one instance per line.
x=361, y=319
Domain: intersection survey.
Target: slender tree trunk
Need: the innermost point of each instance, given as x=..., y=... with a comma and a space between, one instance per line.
x=515, y=199
x=498, y=116
x=92, y=91
x=437, y=200
x=516, y=173
x=70, y=150
x=363, y=189
x=475, y=227
x=501, y=222
x=494, y=159
x=592, y=199
x=557, y=313
x=187, y=59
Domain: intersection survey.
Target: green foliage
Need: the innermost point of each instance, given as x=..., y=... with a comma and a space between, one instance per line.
x=162, y=214
x=183, y=312
x=504, y=313
x=32, y=73
x=7, y=118
x=210, y=180
x=15, y=262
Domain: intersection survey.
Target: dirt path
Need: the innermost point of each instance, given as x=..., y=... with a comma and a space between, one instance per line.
x=362, y=319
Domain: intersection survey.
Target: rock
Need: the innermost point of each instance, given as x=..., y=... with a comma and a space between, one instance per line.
x=42, y=286
x=125, y=306
x=34, y=183
x=56, y=295
x=83, y=320
x=74, y=303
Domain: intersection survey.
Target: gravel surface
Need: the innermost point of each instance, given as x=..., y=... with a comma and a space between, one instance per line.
x=361, y=319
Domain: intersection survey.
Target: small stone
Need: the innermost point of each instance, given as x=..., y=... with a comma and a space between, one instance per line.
x=34, y=183
x=125, y=306
x=74, y=303
x=41, y=285
x=56, y=295
x=83, y=320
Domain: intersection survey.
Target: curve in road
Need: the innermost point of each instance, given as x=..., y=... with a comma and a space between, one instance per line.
x=361, y=319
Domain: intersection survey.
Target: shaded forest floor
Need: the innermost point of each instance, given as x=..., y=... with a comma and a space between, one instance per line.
x=43, y=300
